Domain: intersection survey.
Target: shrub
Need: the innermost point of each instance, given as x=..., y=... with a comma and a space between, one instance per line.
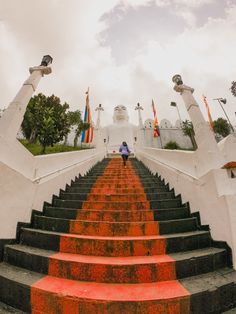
x=172, y=145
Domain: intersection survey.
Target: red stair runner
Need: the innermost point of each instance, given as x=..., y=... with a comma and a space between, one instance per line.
x=113, y=260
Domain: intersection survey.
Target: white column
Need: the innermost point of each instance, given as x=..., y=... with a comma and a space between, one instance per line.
x=13, y=116
x=139, y=108
x=98, y=109
x=208, y=152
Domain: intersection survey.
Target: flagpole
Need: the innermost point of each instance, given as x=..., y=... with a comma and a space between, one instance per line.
x=160, y=138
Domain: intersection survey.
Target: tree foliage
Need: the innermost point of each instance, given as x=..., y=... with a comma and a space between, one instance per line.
x=45, y=120
x=188, y=130
x=221, y=126
x=74, y=118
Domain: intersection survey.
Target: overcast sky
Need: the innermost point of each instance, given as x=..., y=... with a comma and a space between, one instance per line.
x=125, y=51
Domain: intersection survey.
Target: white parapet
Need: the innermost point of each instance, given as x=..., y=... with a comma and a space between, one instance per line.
x=212, y=192
x=26, y=182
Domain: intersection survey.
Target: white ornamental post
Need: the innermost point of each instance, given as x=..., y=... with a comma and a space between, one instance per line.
x=13, y=116
x=98, y=109
x=139, y=108
x=209, y=154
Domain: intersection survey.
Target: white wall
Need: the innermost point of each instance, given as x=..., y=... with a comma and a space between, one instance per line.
x=27, y=181
x=213, y=194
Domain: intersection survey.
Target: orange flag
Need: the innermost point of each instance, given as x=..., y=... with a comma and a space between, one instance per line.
x=156, y=131
x=208, y=111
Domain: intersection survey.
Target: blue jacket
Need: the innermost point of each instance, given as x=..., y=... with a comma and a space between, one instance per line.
x=124, y=150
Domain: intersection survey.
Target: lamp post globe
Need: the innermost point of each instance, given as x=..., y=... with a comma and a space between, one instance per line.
x=47, y=59
x=177, y=79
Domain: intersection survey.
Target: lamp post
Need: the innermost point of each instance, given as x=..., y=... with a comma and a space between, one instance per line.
x=13, y=116
x=174, y=104
x=223, y=101
x=208, y=153
x=139, y=108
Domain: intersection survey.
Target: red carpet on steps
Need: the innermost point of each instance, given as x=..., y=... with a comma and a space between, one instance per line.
x=121, y=265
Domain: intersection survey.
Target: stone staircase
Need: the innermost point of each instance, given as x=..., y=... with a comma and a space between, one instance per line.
x=116, y=241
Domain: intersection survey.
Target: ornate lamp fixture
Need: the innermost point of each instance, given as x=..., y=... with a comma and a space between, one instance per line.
x=46, y=60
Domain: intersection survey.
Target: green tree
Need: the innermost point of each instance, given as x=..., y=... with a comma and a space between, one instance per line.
x=172, y=145
x=30, y=123
x=187, y=128
x=46, y=120
x=221, y=126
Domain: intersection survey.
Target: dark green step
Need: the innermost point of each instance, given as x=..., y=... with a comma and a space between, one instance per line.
x=195, y=262
x=31, y=258
x=168, y=203
x=175, y=242
x=15, y=286
x=83, y=196
x=159, y=214
x=189, y=263
x=6, y=309
x=213, y=292
x=180, y=242
x=178, y=226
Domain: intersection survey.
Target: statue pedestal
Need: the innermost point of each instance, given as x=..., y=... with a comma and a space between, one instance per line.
x=118, y=133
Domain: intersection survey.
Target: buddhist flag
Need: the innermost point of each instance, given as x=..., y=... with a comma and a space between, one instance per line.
x=208, y=111
x=87, y=135
x=156, y=131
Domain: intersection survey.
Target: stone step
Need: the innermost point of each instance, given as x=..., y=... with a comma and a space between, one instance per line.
x=178, y=225
x=88, y=297
x=138, y=269
x=118, y=205
x=108, y=190
x=213, y=292
x=117, y=269
x=94, y=245
x=15, y=286
x=96, y=228
x=118, y=215
x=6, y=309
x=209, y=293
x=180, y=242
x=113, y=197
x=196, y=262
x=114, y=228
x=115, y=246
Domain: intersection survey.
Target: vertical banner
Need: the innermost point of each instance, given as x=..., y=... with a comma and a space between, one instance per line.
x=156, y=131
x=208, y=112
x=87, y=135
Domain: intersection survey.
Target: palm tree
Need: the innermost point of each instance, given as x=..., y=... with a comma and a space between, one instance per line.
x=187, y=128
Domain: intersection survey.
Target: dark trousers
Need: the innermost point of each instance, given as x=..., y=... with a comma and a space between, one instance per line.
x=125, y=158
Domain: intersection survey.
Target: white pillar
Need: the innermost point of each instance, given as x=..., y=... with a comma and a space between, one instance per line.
x=13, y=116
x=139, y=108
x=98, y=109
x=209, y=154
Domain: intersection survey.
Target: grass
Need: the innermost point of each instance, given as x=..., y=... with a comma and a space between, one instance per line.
x=36, y=149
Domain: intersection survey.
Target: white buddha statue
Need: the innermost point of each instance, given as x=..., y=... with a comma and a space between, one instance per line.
x=121, y=130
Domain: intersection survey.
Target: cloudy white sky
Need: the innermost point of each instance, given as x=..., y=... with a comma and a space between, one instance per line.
x=125, y=51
